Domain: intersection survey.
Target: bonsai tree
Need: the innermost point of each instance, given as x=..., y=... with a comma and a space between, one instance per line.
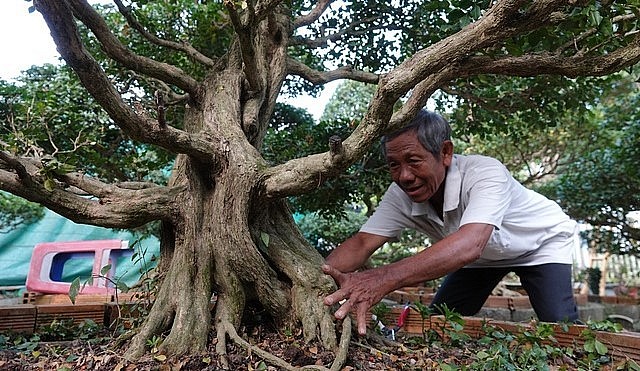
x=200, y=80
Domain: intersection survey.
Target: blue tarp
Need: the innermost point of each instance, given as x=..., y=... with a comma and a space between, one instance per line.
x=16, y=248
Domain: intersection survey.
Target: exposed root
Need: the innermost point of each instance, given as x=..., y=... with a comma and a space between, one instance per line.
x=155, y=323
x=125, y=337
x=372, y=349
x=291, y=254
x=221, y=345
x=228, y=313
x=185, y=312
x=381, y=340
x=272, y=359
x=343, y=347
x=226, y=328
x=314, y=316
x=189, y=331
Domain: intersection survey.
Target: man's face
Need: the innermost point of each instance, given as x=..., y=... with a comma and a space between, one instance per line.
x=418, y=172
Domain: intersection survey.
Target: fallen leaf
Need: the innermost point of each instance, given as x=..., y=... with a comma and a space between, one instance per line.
x=160, y=357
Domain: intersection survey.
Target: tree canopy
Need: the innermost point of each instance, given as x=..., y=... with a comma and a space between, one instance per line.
x=600, y=187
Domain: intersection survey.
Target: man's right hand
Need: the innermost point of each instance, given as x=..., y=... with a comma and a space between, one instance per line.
x=361, y=290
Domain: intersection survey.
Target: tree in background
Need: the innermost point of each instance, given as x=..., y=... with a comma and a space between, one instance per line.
x=348, y=102
x=48, y=116
x=335, y=210
x=15, y=211
x=601, y=187
x=200, y=81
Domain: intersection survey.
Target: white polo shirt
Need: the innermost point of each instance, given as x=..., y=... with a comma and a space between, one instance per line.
x=530, y=228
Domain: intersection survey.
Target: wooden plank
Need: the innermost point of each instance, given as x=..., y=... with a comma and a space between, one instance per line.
x=18, y=318
x=47, y=313
x=66, y=300
x=40, y=299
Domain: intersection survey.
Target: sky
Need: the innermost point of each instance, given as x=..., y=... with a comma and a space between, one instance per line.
x=25, y=41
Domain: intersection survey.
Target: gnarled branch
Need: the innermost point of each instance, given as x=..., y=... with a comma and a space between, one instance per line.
x=118, y=52
x=322, y=77
x=313, y=15
x=182, y=46
x=107, y=205
x=136, y=123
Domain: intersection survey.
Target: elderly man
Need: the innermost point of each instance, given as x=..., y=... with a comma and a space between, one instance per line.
x=483, y=224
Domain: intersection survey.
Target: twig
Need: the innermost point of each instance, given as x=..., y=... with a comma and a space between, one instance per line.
x=277, y=361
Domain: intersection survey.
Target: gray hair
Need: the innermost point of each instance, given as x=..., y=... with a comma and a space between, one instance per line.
x=431, y=129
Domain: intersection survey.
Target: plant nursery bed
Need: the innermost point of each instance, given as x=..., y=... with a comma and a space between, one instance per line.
x=622, y=345
x=39, y=298
x=40, y=310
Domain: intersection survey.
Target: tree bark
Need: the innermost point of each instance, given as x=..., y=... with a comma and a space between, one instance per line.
x=229, y=240
x=218, y=250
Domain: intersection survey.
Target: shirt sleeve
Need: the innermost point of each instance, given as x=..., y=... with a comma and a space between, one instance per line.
x=392, y=215
x=488, y=196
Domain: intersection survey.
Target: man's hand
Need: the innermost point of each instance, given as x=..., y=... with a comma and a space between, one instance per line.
x=362, y=290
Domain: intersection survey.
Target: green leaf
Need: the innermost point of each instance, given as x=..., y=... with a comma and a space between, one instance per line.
x=105, y=269
x=122, y=286
x=606, y=27
x=633, y=365
x=476, y=12
x=589, y=346
x=600, y=348
x=594, y=17
x=64, y=169
x=49, y=184
x=265, y=238
x=74, y=289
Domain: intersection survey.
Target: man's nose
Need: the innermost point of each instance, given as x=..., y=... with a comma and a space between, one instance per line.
x=406, y=175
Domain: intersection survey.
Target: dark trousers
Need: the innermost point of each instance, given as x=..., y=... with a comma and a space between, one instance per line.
x=548, y=286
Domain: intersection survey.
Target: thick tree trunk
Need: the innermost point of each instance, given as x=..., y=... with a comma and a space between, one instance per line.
x=228, y=242
x=291, y=254
x=225, y=238
x=182, y=302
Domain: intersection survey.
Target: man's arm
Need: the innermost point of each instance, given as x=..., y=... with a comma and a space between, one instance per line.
x=354, y=251
x=364, y=289
x=448, y=255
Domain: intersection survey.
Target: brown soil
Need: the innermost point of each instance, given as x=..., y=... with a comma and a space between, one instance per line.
x=371, y=353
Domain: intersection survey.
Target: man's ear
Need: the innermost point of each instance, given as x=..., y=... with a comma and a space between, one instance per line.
x=446, y=153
